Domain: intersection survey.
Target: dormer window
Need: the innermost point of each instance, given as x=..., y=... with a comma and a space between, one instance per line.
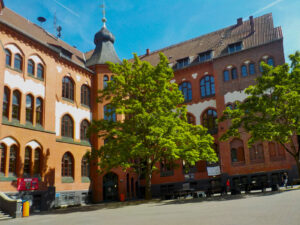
x=205, y=56
x=183, y=63
x=235, y=47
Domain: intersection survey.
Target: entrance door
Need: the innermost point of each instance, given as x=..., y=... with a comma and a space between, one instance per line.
x=110, y=187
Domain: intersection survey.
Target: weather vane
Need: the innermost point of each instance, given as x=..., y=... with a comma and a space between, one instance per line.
x=103, y=12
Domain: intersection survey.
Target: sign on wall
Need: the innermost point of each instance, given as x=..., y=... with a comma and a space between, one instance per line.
x=28, y=184
x=213, y=170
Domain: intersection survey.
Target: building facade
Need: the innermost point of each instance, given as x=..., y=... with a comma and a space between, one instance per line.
x=49, y=91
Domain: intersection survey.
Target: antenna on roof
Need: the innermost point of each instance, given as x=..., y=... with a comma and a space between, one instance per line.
x=59, y=29
x=41, y=20
x=103, y=12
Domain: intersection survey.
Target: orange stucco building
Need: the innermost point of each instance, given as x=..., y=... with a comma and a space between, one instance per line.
x=49, y=94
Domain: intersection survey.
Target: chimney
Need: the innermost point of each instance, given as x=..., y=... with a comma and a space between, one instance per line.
x=239, y=21
x=147, y=51
x=251, y=24
x=2, y=6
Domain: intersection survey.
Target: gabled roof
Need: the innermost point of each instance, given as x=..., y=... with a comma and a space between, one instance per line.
x=218, y=41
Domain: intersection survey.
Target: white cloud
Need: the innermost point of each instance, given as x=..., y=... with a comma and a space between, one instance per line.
x=267, y=7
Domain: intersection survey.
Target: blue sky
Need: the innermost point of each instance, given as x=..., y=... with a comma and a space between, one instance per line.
x=141, y=24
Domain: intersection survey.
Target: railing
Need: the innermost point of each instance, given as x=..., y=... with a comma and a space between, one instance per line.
x=10, y=206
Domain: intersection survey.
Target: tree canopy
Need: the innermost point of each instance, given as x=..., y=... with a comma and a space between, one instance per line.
x=153, y=127
x=271, y=112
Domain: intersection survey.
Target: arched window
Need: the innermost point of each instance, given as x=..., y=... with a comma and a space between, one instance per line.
x=2, y=158
x=252, y=69
x=18, y=62
x=105, y=80
x=40, y=71
x=16, y=105
x=226, y=75
x=67, y=165
x=207, y=85
x=29, y=108
x=190, y=118
x=37, y=161
x=83, y=130
x=244, y=71
x=109, y=113
x=85, y=167
x=67, y=126
x=276, y=151
x=234, y=74
x=39, y=111
x=209, y=120
x=186, y=90
x=270, y=61
x=30, y=67
x=256, y=153
x=5, y=107
x=27, y=161
x=13, y=157
x=85, y=95
x=7, y=57
x=68, y=88
x=237, y=151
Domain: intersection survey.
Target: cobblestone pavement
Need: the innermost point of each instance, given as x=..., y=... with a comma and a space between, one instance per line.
x=278, y=208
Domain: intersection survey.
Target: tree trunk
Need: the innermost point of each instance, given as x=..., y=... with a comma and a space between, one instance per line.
x=148, y=194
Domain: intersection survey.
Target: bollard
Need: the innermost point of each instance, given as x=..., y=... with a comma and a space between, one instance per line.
x=26, y=207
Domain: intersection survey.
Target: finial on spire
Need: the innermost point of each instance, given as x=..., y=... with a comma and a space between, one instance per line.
x=103, y=12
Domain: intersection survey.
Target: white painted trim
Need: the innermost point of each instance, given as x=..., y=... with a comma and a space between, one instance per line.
x=36, y=59
x=13, y=48
x=198, y=109
x=28, y=86
x=77, y=114
x=235, y=96
x=33, y=145
x=195, y=75
x=8, y=141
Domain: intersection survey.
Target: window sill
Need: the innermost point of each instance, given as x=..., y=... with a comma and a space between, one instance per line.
x=67, y=180
x=68, y=100
x=208, y=96
x=242, y=163
x=34, y=77
x=274, y=159
x=71, y=141
x=254, y=161
x=85, y=106
x=9, y=178
x=167, y=174
x=14, y=69
x=85, y=180
x=16, y=123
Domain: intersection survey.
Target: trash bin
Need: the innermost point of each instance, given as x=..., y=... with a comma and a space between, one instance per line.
x=26, y=206
x=122, y=197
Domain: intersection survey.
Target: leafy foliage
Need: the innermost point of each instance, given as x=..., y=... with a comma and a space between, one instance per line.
x=271, y=112
x=153, y=126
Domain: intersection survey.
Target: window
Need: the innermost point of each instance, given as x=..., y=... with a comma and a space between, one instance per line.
x=237, y=151
x=256, y=153
x=85, y=167
x=187, y=168
x=67, y=165
x=261, y=69
x=68, y=88
x=37, y=161
x=83, y=130
x=234, y=74
x=252, y=68
x=18, y=62
x=85, y=95
x=16, y=105
x=230, y=106
x=234, y=47
x=109, y=113
x=39, y=111
x=226, y=75
x=105, y=80
x=2, y=158
x=190, y=118
x=5, y=107
x=30, y=67
x=207, y=86
x=186, y=90
x=205, y=56
x=166, y=169
x=27, y=161
x=276, y=151
x=67, y=126
x=7, y=57
x=183, y=62
x=29, y=108
x=13, y=160
x=209, y=121
x=244, y=71
x=40, y=71
x=270, y=61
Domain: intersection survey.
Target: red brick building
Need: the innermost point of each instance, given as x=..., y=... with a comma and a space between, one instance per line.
x=48, y=89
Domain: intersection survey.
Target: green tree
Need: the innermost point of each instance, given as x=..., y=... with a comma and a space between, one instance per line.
x=154, y=127
x=271, y=112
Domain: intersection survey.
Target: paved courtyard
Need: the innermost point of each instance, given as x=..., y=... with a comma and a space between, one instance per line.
x=259, y=209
